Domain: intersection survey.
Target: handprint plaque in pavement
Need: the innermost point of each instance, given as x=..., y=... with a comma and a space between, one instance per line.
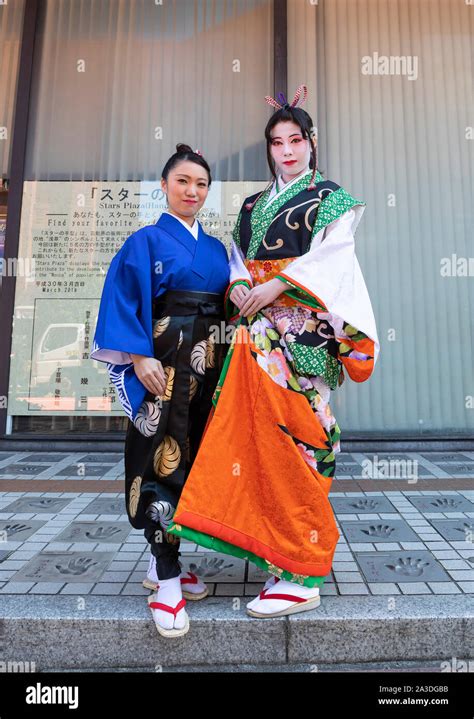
x=36, y=505
x=390, y=530
x=17, y=530
x=409, y=566
x=97, y=532
x=65, y=567
x=214, y=566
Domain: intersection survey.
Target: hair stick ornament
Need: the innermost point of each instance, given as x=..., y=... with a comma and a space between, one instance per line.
x=302, y=89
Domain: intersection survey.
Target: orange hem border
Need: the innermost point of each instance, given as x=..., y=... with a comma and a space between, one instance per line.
x=234, y=536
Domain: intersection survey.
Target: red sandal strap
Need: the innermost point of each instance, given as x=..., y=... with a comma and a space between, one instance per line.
x=167, y=608
x=288, y=597
x=193, y=580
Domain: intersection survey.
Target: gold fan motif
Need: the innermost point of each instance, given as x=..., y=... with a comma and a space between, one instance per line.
x=157, y=457
x=134, y=496
x=193, y=385
x=161, y=326
x=169, y=374
x=167, y=457
x=210, y=352
x=198, y=357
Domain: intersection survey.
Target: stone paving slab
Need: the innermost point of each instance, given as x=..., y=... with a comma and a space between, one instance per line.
x=71, y=571
x=390, y=538
x=83, y=466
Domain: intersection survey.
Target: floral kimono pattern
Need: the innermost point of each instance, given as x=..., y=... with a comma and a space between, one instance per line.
x=260, y=482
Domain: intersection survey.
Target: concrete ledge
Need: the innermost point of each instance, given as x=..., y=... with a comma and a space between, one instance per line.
x=358, y=629
x=61, y=632
x=432, y=666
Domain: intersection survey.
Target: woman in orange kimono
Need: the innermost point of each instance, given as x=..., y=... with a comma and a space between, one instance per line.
x=259, y=485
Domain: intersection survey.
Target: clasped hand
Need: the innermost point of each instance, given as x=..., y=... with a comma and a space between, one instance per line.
x=250, y=301
x=150, y=372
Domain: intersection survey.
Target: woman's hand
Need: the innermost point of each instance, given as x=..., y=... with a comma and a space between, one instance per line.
x=150, y=373
x=261, y=296
x=238, y=295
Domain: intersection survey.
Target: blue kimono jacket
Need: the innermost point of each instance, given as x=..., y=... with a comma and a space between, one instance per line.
x=154, y=259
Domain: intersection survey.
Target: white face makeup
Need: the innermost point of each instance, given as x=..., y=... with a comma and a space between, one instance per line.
x=290, y=151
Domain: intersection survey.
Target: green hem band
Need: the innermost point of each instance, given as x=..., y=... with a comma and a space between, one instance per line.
x=219, y=545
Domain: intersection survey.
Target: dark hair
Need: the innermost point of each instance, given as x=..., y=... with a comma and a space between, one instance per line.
x=301, y=118
x=184, y=152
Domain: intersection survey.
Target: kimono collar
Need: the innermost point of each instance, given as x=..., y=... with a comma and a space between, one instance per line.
x=172, y=226
x=200, y=249
x=273, y=190
x=280, y=183
x=194, y=230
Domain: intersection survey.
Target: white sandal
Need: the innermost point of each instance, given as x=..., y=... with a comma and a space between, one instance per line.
x=298, y=603
x=153, y=604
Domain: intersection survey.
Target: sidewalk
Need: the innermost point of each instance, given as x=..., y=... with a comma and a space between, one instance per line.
x=401, y=587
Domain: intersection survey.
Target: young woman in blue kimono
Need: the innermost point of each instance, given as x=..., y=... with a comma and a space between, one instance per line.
x=259, y=485
x=162, y=297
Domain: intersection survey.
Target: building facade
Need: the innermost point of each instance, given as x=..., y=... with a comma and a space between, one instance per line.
x=94, y=96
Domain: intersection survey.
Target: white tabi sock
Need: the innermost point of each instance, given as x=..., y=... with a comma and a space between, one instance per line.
x=268, y=606
x=169, y=592
x=188, y=587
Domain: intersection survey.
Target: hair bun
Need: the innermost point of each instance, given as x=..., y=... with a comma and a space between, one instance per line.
x=181, y=147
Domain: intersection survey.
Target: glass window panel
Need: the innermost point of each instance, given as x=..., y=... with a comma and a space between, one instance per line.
x=390, y=88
